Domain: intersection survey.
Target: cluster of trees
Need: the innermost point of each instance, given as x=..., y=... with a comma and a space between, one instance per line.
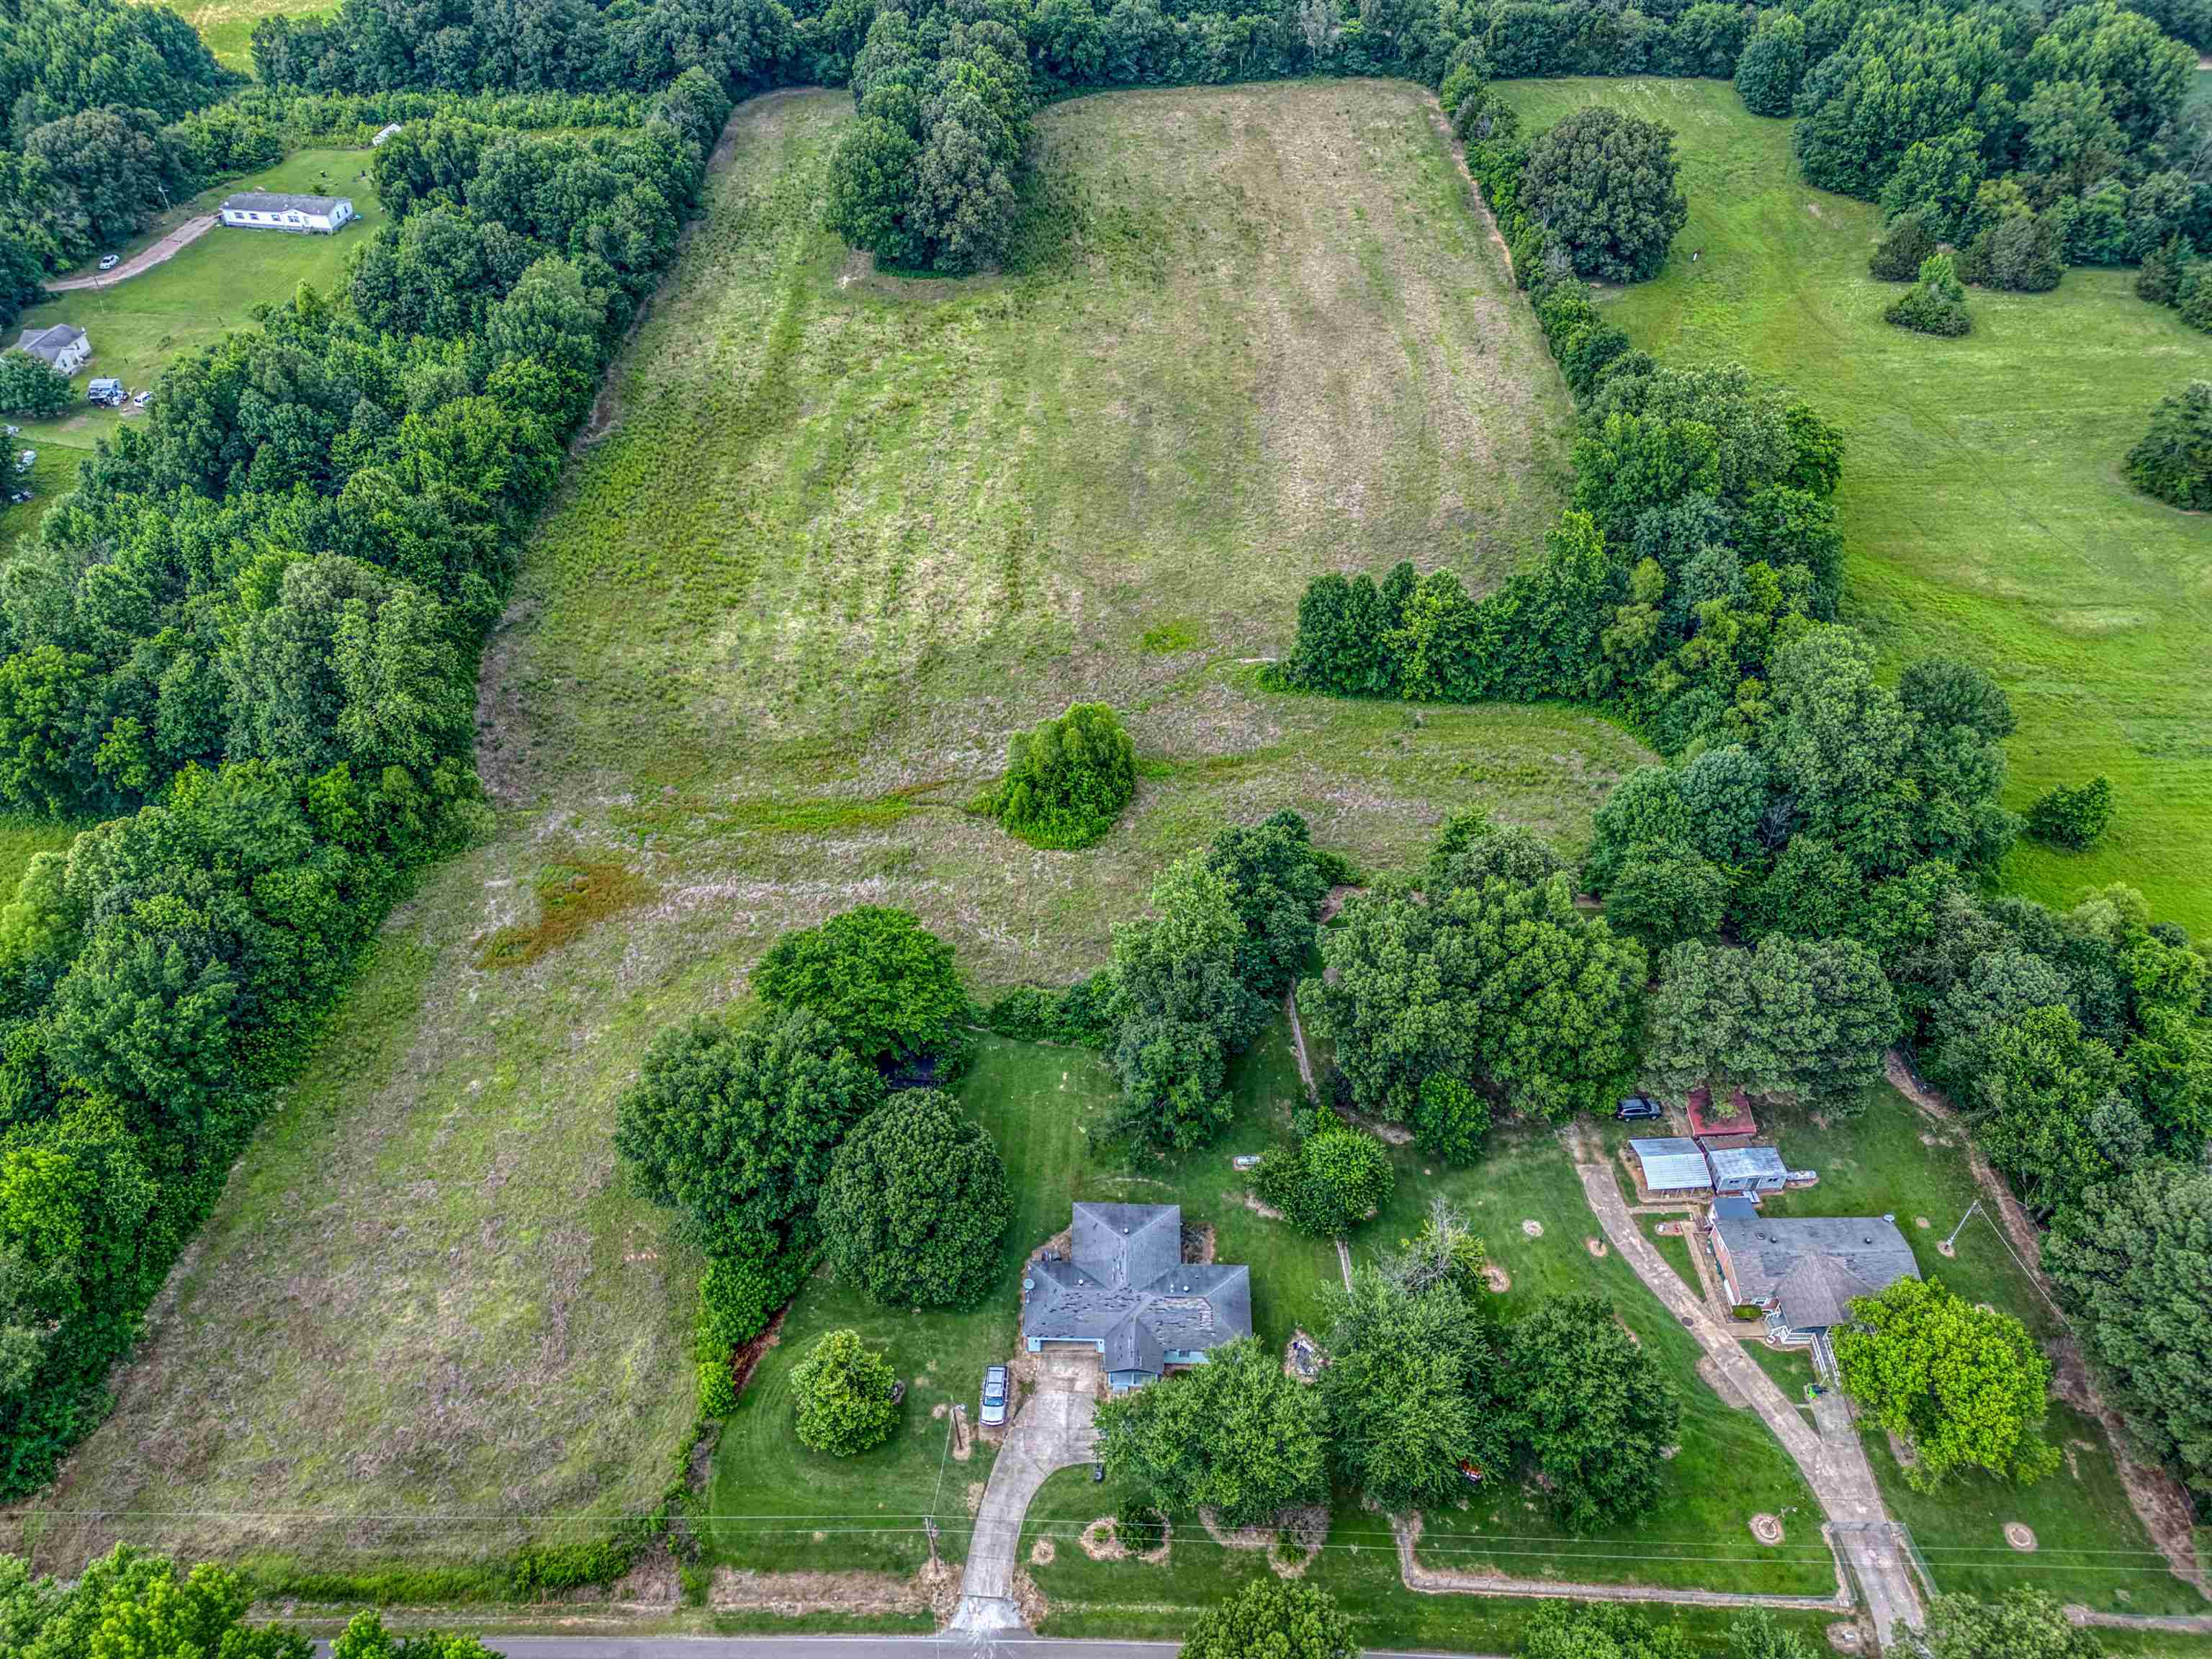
x=799, y=1139
x=2028, y=149
x=1193, y=982
x=2173, y=460
x=29, y=386
x=131, y=1604
x=1067, y=780
x=926, y=177
x=1419, y=1379
x=1486, y=974
x=246, y=643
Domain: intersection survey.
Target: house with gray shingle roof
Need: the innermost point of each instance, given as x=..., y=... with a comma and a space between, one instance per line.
x=61, y=348
x=1805, y=1271
x=1124, y=1290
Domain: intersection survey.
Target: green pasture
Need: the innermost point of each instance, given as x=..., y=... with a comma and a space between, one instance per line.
x=1984, y=503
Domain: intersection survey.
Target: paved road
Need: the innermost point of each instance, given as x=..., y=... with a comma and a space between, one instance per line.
x=161, y=253
x=1833, y=1459
x=1052, y=1432
x=1014, y=1644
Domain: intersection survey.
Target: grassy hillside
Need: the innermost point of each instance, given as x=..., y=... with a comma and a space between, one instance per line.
x=841, y=536
x=1983, y=502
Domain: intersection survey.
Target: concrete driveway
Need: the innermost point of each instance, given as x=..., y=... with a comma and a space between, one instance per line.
x=1052, y=1431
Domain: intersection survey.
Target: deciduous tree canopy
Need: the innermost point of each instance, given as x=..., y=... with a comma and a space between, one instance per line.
x=916, y=1203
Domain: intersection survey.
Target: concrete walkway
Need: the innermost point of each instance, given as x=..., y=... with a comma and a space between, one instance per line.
x=1051, y=1431
x=161, y=253
x=1833, y=1459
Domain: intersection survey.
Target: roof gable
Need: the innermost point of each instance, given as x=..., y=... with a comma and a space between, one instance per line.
x=1810, y=1267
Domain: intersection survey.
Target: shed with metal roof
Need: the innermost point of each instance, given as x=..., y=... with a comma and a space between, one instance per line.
x=1747, y=1168
x=1673, y=1164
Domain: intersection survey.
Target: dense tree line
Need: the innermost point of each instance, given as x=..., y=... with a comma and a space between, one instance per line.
x=246, y=643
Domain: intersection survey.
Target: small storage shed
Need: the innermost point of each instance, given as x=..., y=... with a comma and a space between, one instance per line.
x=1747, y=1168
x=1673, y=1164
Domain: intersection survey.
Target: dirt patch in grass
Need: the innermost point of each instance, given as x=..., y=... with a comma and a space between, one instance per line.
x=1496, y=1277
x=1267, y=1212
x=1532, y=1228
x=1041, y=1552
x=2021, y=1537
x=1767, y=1529
x=571, y=897
x=1101, y=1542
x=1595, y=1245
x=794, y=1595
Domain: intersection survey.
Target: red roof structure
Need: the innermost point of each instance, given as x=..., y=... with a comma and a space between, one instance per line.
x=1706, y=1124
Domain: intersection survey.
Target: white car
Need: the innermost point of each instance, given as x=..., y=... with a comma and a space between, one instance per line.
x=143, y=399
x=110, y=262
x=994, y=1396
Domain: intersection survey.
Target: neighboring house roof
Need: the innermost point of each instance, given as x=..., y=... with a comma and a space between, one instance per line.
x=47, y=344
x=1705, y=1121
x=1737, y=1163
x=1672, y=1163
x=1809, y=1269
x=1125, y=1284
x=263, y=201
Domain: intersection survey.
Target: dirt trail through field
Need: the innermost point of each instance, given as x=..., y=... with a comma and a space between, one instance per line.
x=2156, y=1497
x=161, y=253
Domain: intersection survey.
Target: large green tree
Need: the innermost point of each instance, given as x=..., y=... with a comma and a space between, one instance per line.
x=1602, y=182
x=2028, y=1624
x=1270, y=1618
x=1067, y=780
x=736, y=1129
x=366, y=1637
x=2133, y=1264
x=130, y=1604
x=1571, y=1630
x=916, y=1203
x=1593, y=1410
x=1176, y=1003
x=1410, y=1390
x=1236, y=1434
x=882, y=980
x=1965, y=1386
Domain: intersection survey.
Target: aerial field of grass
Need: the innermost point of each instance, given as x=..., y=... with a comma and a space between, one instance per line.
x=843, y=535
x=140, y=325
x=227, y=26
x=1983, y=502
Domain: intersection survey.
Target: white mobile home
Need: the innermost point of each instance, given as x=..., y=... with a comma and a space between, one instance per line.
x=261, y=210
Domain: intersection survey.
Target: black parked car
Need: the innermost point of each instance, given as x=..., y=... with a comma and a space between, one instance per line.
x=1638, y=1108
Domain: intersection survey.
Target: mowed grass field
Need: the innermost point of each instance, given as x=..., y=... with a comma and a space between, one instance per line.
x=1985, y=503
x=140, y=325
x=841, y=536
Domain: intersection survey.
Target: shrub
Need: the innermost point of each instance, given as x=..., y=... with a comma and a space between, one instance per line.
x=1449, y=1119
x=1904, y=246
x=844, y=1396
x=1773, y=62
x=1937, y=304
x=1603, y=183
x=542, y=1569
x=29, y=386
x=2192, y=295
x=2020, y=252
x=2072, y=819
x=2173, y=461
x=2159, y=279
x=1140, y=1528
x=916, y=1203
x=1328, y=1182
x=1067, y=780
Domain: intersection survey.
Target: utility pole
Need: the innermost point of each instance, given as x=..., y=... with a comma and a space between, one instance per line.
x=1963, y=1220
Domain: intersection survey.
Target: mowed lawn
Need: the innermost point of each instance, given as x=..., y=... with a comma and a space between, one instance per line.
x=843, y=535
x=140, y=325
x=1985, y=503
x=2090, y=1546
